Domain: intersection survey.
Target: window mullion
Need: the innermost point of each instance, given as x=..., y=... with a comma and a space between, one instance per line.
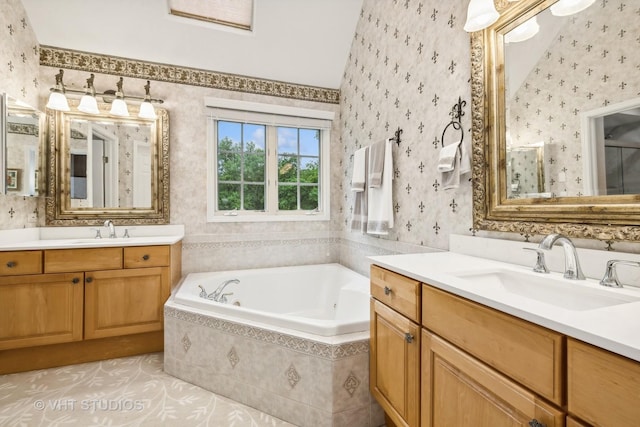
x=272, y=170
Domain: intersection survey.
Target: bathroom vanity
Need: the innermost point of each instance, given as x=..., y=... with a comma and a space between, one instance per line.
x=65, y=301
x=452, y=350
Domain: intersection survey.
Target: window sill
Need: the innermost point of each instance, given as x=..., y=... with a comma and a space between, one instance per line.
x=269, y=218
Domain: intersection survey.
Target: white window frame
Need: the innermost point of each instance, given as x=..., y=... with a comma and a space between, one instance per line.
x=272, y=116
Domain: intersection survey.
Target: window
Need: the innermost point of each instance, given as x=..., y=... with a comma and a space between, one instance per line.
x=265, y=166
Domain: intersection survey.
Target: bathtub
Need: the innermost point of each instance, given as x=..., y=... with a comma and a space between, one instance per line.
x=292, y=342
x=325, y=300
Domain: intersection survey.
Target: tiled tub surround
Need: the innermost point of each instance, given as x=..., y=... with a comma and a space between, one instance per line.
x=302, y=378
x=305, y=380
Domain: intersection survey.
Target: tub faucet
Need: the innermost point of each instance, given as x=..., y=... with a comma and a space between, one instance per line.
x=218, y=296
x=571, y=263
x=112, y=229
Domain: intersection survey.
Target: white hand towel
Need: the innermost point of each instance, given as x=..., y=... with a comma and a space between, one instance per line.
x=448, y=155
x=360, y=203
x=451, y=179
x=380, y=214
x=359, y=176
x=465, y=159
x=376, y=163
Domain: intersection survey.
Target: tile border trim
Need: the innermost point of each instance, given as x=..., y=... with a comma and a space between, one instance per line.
x=126, y=67
x=259, y=243
x=291, y=342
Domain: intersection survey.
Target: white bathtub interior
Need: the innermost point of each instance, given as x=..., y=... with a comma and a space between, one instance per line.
x=326, y=299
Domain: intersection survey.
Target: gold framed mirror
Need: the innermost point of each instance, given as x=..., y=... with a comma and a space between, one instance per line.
x=556, y=92
x=107, y=167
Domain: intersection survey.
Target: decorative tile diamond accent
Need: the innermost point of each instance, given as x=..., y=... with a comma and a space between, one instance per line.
x=186, y=343
x=233, y=357
x=351, y=383
x=292, y=375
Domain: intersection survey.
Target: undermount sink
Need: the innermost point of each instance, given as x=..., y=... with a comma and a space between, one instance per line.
x=569, y=295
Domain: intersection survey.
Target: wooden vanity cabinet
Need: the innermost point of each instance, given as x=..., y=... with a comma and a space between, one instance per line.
x=86, y=304
x=40, y=309
x=394, y=377
x=483, y=367
x=459, y=390
x=603, y=388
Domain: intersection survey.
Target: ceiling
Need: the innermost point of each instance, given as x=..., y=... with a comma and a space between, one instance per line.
x=297, y=41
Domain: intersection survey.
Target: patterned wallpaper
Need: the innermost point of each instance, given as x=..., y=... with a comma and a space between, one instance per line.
x=19, y=74
x=409, y=63
x=593, y=62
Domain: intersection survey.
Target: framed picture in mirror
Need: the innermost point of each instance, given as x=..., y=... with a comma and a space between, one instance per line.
x=12, y=179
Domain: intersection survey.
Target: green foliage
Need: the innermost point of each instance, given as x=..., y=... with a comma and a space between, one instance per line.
x=242, y=174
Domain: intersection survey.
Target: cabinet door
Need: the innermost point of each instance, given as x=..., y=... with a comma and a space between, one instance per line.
x=40, y=309
x=603, y=388
x=395, y=364
x=122, y=302
x=458, y=390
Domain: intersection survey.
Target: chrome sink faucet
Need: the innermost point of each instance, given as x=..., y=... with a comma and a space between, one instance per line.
x=571, y=263
x=112, y=229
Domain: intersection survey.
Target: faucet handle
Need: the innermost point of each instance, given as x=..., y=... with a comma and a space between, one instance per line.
x=541, y=265
x=97, y=230
x=610, y=277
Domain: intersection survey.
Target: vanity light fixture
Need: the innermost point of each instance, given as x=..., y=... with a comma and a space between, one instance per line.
x=569, y=7
x=88, y=102
x=118, y=106
x=523, y=32
x=480, y=14
x=57, y=99
x=146, y=108
x=483, y=13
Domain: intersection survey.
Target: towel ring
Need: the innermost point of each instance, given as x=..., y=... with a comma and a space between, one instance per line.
x=456, y=114
x=456, y=126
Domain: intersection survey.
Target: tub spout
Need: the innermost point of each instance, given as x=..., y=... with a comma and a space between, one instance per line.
x=218, y=296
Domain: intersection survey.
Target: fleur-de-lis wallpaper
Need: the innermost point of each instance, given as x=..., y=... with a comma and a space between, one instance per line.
x=409, y=63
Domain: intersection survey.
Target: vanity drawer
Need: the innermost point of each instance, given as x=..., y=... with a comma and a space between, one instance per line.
x=146, y=256
x=14, y=263
x=67, y=260
x=603, y=388
x=396, y=291
x=529, y=354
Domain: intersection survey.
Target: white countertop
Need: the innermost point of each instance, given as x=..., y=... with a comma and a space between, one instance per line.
x=614, y=328
x=83, y=237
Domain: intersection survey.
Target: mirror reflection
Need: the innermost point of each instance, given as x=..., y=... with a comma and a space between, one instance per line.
x=110, y=164
x=23, y=148
x=572, y=89
x=108, y=167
